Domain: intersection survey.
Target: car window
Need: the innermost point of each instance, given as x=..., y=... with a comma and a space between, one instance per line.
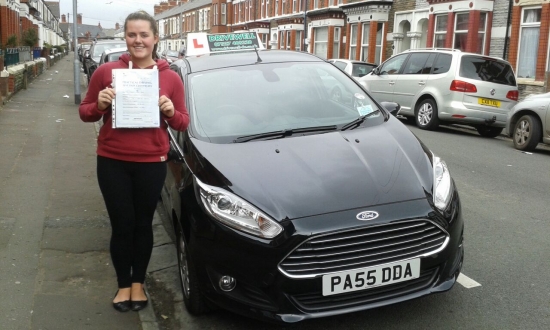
x=487, y=69
x=114, y=57
x=360, y=69
x=442, y=63
x=341, y=65
x=429, y=64
x=278, y=96
x=393, y=65
x=416, y=63
x=99, y=49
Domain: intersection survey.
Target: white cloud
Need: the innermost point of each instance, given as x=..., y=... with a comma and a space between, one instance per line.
x=106, y=12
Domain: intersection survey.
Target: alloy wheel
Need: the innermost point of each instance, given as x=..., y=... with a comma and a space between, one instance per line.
x=523, y=130
x=184, y=268
x=425, y=113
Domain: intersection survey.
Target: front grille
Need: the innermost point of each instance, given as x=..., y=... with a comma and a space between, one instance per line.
x=316, y=302
x=364, y=247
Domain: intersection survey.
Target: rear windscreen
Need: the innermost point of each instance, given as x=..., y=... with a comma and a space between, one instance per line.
x=487, y=69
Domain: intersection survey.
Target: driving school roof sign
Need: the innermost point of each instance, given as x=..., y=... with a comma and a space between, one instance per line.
x=202, y=43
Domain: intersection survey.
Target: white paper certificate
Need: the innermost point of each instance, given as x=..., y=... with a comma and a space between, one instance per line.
x=136, y=100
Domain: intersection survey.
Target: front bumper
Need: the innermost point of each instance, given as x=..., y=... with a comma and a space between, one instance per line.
x=264, y=292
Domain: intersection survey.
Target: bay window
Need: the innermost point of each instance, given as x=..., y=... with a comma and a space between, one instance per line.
x=529, y=42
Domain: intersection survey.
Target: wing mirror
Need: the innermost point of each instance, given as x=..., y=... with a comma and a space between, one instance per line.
x=87, y=54
x=392, y=107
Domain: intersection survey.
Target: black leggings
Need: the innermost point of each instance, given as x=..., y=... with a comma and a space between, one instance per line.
x=131, y=191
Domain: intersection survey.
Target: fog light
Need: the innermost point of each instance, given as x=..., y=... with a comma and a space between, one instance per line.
x=227, y=283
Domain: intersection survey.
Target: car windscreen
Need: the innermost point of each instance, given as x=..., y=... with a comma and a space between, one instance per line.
x=487, y=69
x=113, y=57
x=99, y=49
x=255, y=99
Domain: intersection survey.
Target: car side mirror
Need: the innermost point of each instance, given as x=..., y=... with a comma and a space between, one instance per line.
x=392, y=107
x=87, y=54
x=376, y=71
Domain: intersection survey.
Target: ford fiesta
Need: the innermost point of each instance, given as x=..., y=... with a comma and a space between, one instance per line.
x=289, y=204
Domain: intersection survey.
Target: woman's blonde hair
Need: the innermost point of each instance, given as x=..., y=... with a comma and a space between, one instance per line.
x=144, y=16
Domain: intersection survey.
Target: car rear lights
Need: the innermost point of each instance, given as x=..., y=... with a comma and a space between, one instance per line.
x=462, y=86
x=512, y=95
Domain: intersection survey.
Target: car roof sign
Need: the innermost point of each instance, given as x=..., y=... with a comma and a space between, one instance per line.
x=203, y=43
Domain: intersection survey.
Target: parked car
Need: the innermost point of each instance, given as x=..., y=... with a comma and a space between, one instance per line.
x=91, y=60
x=288, y=204
x=169, y=55
x=111, y=55
x=447, y=86
x=528, y=123
x=356, y=69
x=81, y=49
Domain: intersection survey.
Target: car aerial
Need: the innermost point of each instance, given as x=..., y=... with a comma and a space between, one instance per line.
x=436, y=86
x=288, y=204
x=354, y=68
x=92, y=57
x=528, y=123
x=111, y=55
x=170, y=55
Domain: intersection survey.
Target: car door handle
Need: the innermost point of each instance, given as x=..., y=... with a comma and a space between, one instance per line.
x=421, y=83
x=392, y=83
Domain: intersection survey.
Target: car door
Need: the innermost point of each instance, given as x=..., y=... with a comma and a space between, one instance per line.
x=412, y=80
x=381, y=82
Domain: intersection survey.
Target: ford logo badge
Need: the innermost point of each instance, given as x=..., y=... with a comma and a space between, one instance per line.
x=367, y=215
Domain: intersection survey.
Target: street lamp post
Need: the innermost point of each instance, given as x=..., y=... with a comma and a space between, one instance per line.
x=76, y=60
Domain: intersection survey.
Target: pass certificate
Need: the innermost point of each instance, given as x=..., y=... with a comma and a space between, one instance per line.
x=136, y=100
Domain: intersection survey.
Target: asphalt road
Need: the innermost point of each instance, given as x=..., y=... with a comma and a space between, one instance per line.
x=504, y=194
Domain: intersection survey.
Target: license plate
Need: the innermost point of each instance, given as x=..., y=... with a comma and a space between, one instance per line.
x=489, y=102
x=366, y=278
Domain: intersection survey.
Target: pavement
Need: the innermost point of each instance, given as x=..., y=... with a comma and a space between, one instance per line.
x=55, y=264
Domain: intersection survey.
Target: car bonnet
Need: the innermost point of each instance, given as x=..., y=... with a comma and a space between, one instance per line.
x=304, y=176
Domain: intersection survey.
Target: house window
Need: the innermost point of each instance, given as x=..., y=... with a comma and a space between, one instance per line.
x=321, y=41
x=234, y=14
x=223, y=12
x=288, y=35
x=294, y=4
x=276, y=7
x=201, y=25
x=461, y=31
x=481, y=33
x=440, y=34
x=379, y=34
x=267, y=11
x=250, y=10
x=353, y=41
x=529, y=42
x=282, y=40
x=316, y=4
x=283, y=7
x=298, y=44
x=264, y=39
x=206, y=20
x=365, y=42
x=263, y=9
x=336, y=43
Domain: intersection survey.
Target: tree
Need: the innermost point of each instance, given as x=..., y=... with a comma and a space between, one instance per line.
x=29, y=37
x=12, y=41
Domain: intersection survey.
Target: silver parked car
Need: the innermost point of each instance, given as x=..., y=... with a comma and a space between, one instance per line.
x=437, y=86
x=356, y=69
x=528, y=123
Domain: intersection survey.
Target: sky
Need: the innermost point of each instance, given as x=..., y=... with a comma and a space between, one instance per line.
x=106, y=12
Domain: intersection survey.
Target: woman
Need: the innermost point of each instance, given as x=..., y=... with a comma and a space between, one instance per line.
x=131, y=164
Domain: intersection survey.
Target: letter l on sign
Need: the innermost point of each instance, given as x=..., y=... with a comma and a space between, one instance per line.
x=196, y=44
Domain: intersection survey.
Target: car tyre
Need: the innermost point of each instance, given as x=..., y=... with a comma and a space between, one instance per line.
x=527, y=133
x=192, y=296
x=426, y=115
x=489, y=131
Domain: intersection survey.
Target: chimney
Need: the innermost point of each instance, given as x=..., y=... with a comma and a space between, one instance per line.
x=117, y=26
x=172, y=4
x=63, y=19
x=99, y=25
x=79, y=19
x=157, y=9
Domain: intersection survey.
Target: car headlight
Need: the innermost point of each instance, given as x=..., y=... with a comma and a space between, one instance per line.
x=442, y=184
x=237, y=213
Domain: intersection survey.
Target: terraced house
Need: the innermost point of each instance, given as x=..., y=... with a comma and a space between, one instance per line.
x=516, y=30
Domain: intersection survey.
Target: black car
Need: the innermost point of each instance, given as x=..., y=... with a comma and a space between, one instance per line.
x=93, y=56
x=111, y=55
x=288, y=204
x=170, y=55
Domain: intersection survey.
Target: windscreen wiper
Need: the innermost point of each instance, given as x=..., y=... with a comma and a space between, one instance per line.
x=285, y=133
x=358, y=121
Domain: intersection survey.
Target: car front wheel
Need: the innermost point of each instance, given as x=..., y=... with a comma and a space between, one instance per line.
x=488, y=131
x=192, y=296
x=527, y=133
x=426, y=115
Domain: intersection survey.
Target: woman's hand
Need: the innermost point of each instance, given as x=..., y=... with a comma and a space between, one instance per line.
x=166, y=106
x=105, y=98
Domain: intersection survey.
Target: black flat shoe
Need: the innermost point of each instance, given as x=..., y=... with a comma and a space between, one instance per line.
x=138, y=305
x=122, y=306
